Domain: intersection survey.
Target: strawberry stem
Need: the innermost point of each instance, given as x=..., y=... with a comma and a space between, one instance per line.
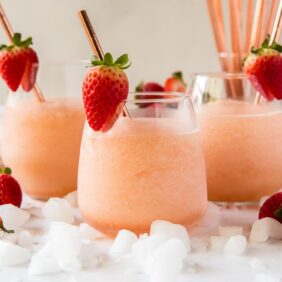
x=4, y=229
x=121, y=62
x=139, y=87
x=278, y=212
x=5, y=170
x=17, y=42
x=265, y=45
x=178, y=75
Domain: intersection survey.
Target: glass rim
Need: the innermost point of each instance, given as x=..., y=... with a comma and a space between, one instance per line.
x=221, y=75
x=164, y=97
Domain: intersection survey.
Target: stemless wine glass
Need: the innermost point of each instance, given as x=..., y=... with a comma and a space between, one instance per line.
x=241, y=139
x=41, y=140
x=147, y=166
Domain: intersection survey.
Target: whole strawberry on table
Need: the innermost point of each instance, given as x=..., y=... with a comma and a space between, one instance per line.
x=10, y=192
x=263, y=67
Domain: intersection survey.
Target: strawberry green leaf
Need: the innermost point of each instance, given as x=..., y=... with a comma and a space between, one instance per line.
x=139, y=87
x=4, y=229
x=97, y=63
x=122, y=60
x=178, y=75
x=17, y=38
x=3, y=46
x=26, y=42
x=108, y=59
x=5, y=170
x=265, y=45
x=278, y=212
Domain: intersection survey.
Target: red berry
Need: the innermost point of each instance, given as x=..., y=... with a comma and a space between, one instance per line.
x=105, y=87
x=263, y=67
x=272, y=207
x=10, y=191
x=149, y=87
x=18, y=64
x=175, y=83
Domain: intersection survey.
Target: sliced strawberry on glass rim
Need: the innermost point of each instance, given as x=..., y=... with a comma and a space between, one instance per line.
x=104, y=90
x=263, y=67
x=18, y=63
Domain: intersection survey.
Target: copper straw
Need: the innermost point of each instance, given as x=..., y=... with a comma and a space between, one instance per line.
x=94, y=41
x=274, y=36
x=9, y=33
x=249, y=16
x=271, y=17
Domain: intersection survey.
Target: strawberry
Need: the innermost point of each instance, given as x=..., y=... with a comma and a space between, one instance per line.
x=18, y=63
x=10, y=191
x=175, y=83
x=263, y=67
x=149, y=87
x=272, y=207
x=104, y=90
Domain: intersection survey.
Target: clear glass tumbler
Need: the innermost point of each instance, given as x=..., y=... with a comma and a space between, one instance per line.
x=41, y=140
x=241, y=139
x=149, y=166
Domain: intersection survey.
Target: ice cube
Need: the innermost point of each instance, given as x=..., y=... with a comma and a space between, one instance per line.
x=166, y=262
x=89, y=255
x=35, y=211
x=265, y=228
x=24, y=239
x=77, y=214
x=145, y=246
x=37, y=223
x=11, y=254
x=217, y=243
x=198, y=245
x=89, y=233
x=72, y=199
x=57, y=209
x=29, y=202
x=123, y=242
x=13, y=217
x=257, y=264
x=65, y=242
x=170, y=230
x=236, y=245
x=43, y=265
x=227, y=231
x=12, y=237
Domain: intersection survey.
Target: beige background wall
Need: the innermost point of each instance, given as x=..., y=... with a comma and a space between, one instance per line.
x=160, y=36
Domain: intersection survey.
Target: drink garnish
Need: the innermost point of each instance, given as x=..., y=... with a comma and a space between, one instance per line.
x=10, y=190
x=263, y=67
x=18, y=63
x=105, y=89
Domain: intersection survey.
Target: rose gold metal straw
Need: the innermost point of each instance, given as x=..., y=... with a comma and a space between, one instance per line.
x=9, y=33
x=94, y=41
x=274, y=36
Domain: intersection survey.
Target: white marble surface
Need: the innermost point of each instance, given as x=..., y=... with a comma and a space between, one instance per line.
x=261, y=262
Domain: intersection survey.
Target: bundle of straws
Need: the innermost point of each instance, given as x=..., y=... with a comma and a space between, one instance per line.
x=250, y=21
